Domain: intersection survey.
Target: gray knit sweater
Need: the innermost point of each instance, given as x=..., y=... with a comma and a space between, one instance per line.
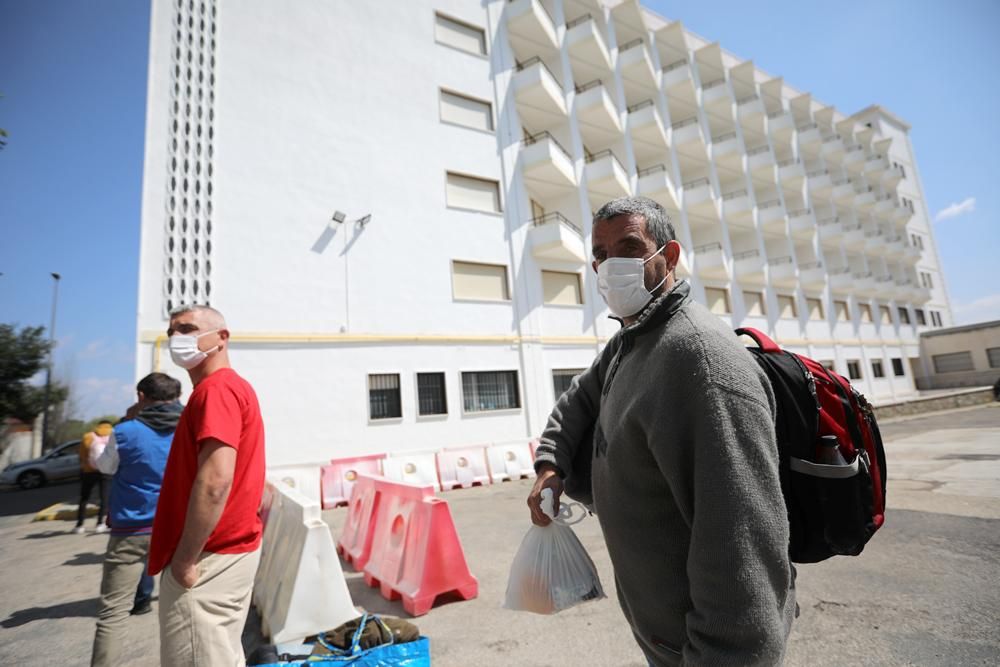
x=685, y=482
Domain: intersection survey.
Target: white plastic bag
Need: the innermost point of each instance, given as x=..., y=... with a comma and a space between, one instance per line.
x=551, y=570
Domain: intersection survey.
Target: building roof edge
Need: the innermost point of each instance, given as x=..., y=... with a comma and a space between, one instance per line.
x=961, y=329
x=878, y=108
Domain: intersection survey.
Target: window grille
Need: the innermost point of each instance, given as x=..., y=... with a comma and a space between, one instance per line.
x=490, y=390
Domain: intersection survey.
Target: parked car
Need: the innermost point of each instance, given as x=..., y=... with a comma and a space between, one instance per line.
x=63, y=462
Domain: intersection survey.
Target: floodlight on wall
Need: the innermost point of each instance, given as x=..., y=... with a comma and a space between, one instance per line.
x=339, y=217
x=363, y=220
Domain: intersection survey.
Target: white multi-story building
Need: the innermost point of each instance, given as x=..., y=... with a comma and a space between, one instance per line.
x=467, y=144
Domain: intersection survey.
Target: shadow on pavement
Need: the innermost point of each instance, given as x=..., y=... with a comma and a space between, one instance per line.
x=89, y=558
x=14, y=502
x=45, y=534
x=83, y=608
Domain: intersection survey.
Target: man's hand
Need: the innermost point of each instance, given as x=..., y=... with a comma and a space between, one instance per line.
x=185, y=574
x=548, y=478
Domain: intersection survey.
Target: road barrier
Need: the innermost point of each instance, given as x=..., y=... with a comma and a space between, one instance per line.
x=510, y=460
x=338, y=478
x=412, y=468
x=462, y=467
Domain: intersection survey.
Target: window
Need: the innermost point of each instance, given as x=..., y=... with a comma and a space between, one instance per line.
x=936, y=318
x=466, y=111
x=854, y=369
x=865, y=311
x=562, y=379
x=717, y=300
x=904, y=315
x=485, y=282
x=843, y=313
x=431, y=398
x=925, y=280
x=953, y=362
x=491, y=390
x=897, y=367
x=815, y=308
x=877, y=369
x=884, y=315
x=993, y=355
x=478, y=194
x=918, y=241
x=459, y=35
x=754, y=302
x=561, y=289
x=786, y=306
x=921, y=320
x=383, y=396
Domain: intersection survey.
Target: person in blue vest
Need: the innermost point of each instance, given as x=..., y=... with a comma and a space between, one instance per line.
x=136, y=456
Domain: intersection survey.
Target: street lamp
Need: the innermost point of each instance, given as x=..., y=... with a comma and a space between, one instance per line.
x=48, y=371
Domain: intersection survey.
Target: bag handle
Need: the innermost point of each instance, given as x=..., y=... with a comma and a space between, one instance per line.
x=355, y=651
x=759, y=337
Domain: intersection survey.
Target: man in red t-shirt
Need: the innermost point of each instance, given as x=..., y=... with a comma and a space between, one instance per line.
x=207, y=530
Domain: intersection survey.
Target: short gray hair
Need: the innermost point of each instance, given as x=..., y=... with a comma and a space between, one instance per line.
x=213, y=317
x=657, y=221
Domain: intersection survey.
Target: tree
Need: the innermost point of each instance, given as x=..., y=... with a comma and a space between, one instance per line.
x=23, y=354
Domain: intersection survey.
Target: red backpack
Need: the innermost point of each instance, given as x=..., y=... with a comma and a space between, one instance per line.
x=834, y=507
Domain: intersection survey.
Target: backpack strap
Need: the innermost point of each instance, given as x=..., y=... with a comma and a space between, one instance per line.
x=849, y=414
x=759, y=337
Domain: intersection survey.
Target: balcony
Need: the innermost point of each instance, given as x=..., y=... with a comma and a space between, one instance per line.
x=771, y=216
x=782, y=271
x=606, y=176
x=854, y=236
x=843, y=190
x=737, y=209
x=749, y=108
x=911, y=254
x=748, y=266
x=830, y=230
x=596, y=110
x=554, y=237
x=586, y=45
x=809, y=135
x=883, y=206
x=812, y=275
x=892, y=176
x=715, y=94
x=547, y=167
x=864, y=283
x=864, y=198
x=901, y=214
x=676, y=78
x=791, y=172
x=885, y=287
x=655, y=183
x=875, y=241
x=727, y=151
x=646, y=126
x=840, y=280
x=921, y=294
x=760, y=162
x=895, y=247
x=854, y=159
x=689, y=139
x=801, y=223
x=833, y=148
x=539, y=97
x=529, y=25
x=905, y=289
x=780, y=125
x=709, y=261
x=820, y=183
x=875, y=166
x=636, y=66
x=698, y=199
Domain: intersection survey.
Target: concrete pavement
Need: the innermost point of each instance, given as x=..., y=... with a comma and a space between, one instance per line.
x=924, y=592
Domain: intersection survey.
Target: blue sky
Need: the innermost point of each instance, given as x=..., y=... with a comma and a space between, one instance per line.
x=73, y=80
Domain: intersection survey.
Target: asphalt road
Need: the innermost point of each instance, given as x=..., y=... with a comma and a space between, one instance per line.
x=924, y=592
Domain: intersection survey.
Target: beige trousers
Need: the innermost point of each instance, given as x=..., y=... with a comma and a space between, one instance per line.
x=202, y=626
x=124, y=562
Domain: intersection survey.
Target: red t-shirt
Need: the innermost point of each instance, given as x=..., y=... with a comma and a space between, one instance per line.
x=223, y=406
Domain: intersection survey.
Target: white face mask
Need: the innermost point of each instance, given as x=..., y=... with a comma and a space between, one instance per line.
x=622, y=283
x=184, y=350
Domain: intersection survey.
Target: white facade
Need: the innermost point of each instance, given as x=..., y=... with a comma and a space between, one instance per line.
x=479, y=137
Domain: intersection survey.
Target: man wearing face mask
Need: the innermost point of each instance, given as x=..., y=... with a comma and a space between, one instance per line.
x=207, y=530
x=684, y=463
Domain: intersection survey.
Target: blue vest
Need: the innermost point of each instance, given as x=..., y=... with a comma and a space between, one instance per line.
x=135, y=488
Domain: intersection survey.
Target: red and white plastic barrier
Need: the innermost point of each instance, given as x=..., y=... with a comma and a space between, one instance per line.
x=416, y=554
x=338, y=477
x=510, y=460
x=462, y=467
x=355, y=543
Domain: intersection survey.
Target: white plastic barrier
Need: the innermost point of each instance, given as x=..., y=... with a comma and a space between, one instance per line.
x=304, y=477
x=300, y=588
x=462, y=467
x=418, y=468
x=510, y=460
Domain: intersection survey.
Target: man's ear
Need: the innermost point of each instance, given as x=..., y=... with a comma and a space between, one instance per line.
x=224, y=334
x=673, y=254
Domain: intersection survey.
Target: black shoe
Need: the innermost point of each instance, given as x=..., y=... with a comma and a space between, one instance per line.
x=142, y=608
